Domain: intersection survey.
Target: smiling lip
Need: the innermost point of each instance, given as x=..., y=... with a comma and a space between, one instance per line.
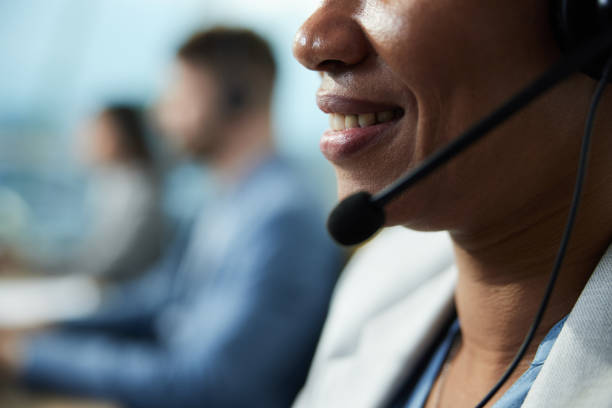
x=340, y=144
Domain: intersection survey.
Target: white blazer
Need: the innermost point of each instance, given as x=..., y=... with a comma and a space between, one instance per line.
x=393, y=299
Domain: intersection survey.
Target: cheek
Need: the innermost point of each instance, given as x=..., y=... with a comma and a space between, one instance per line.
x=420, y=42
x=185, y=118
x=460, y=58
x=410, y=48
x=447, y=53
x=102, y=146
x=428, y=49
x=192, y=118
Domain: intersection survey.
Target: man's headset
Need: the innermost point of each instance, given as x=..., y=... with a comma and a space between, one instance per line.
x=584, y=32
x=235, y=98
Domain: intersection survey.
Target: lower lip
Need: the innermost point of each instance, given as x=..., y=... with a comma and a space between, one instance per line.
x=338, y=145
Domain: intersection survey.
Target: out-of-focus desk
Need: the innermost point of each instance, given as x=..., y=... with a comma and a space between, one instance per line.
x=17, y=398
x=29, y=301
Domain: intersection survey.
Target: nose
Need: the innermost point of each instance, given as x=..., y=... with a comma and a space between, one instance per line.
x=331, y=39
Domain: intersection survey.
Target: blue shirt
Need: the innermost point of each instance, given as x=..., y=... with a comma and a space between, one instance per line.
x=513, y=398
x=230, y=318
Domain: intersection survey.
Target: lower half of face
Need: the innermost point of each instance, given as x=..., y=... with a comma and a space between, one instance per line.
x=439, y=66
x=525, y=165
x=372, y=157
x=193, y=135
x=194, y=138
x=379, y=148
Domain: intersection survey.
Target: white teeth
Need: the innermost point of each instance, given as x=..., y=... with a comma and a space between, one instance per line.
x=367, y=119
x=351, y=122
x=338, y=121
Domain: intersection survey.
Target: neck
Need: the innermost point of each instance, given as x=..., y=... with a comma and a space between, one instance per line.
x=505, y=257
x=504, y=266
x=503, y=276
x=248, y=141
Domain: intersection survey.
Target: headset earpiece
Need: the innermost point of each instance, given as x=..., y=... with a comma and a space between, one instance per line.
x=235, y=99
x=578, y=21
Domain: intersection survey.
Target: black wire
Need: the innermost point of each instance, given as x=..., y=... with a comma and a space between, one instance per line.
x=582, y=168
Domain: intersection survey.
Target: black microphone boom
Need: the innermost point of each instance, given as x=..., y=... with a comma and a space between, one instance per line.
x=361, y=215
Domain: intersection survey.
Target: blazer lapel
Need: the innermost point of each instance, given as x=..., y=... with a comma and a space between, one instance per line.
x=385, y=352
x=578, y=370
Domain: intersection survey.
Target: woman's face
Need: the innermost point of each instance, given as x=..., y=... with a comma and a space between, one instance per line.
x=104, y=141
x=401, y=78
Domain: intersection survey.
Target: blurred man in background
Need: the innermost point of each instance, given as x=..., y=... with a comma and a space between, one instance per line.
x=231, y=316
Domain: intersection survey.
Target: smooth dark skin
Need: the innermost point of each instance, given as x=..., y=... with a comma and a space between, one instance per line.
x=447, y=63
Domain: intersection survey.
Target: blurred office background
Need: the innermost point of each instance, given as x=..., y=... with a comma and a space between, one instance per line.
x=62, y=59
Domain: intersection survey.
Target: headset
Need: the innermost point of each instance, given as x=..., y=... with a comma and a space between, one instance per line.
x=576, y=22
x=583, y=29
x=235, y=98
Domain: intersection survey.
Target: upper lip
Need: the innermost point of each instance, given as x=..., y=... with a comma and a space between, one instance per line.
x=351, y=106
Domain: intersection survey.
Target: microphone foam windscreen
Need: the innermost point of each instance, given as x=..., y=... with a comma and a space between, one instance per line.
x=355, y=219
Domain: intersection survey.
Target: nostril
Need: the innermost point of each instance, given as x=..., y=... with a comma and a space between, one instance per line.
x=331, y=66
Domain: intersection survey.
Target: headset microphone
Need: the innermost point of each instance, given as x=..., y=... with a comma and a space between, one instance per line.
x=361, y=215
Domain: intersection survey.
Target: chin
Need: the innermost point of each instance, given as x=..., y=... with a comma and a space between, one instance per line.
x=348, y=186
x=417, y=209
x=372, y=179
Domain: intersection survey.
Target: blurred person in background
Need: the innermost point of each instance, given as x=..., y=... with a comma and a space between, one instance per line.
x=126, y=233
x=231, y=316
x=6, y=258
